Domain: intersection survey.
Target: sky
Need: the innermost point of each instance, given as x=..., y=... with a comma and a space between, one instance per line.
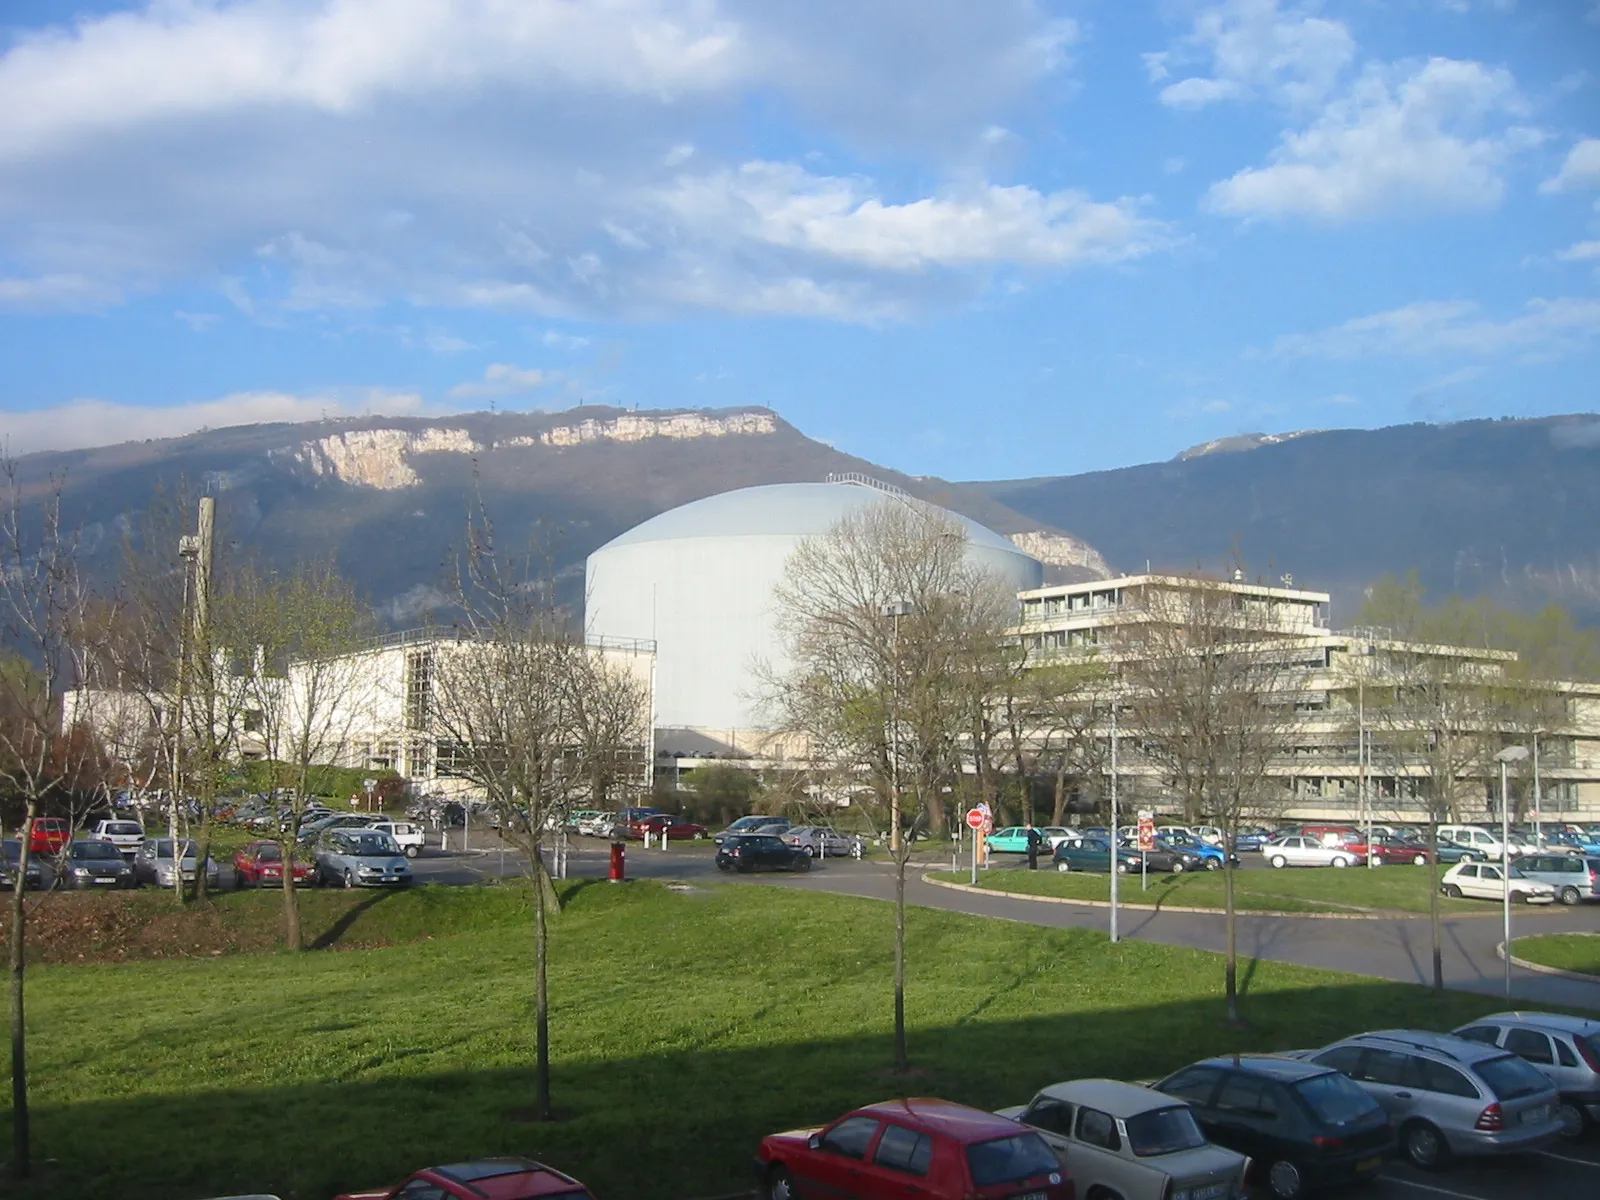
x=970, y=238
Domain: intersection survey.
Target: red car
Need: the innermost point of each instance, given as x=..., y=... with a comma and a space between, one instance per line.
x=1385, y=850
x=50, y=835
x=677, y=829
x=482, y=1179
x=930, y=1149
x=260, y=864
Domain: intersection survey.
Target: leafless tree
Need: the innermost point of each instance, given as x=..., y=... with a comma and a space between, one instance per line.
x=42, y=601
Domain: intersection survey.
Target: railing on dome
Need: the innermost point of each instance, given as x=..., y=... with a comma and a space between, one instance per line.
x=412, y=637
x=868, y=481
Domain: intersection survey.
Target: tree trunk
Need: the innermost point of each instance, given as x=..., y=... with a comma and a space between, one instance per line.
x=21, y=1141
x=291, y=898
x=901, y=1061
x=1433, y=905
x=1231, y=970
x=1061, y=797
x=541, y=993
x=202, y=851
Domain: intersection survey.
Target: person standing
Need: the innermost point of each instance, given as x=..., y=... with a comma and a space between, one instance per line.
x=1033, y=847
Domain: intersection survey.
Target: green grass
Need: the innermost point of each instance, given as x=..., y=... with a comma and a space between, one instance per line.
x=1384, y=889
x=684, y=1027
x=1570, y=951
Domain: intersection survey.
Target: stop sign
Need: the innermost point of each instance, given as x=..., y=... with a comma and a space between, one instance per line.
x=975, y=818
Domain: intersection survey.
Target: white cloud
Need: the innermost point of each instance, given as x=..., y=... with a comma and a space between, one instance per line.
x=85, y=423
x=1455, y=327
x=502, y=379
x=1580, y=252
x=1580, y=170
x=469, y=152
x=1252, y=47
x=557, y=340
x=1435, y=138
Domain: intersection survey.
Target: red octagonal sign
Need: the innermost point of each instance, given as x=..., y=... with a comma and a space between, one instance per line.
x=975, y=818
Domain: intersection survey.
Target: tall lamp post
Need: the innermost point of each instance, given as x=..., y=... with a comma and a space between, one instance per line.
x=894, y=610
x=1509, y=755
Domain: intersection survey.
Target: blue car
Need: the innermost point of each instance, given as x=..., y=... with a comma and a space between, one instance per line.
x=1211, y=856
x=1251, y=839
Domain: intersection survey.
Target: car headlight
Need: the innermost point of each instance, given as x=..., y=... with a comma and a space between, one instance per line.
x=81, y=872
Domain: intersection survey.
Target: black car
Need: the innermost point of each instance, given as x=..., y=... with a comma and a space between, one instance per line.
x=91, y=863
x=746, y=852
x=1304, y=1126
x=12, y=856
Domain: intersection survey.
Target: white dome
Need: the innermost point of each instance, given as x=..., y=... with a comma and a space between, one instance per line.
x=698, y=580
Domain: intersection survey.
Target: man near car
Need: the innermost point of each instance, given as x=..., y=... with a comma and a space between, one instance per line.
x=1034, y=838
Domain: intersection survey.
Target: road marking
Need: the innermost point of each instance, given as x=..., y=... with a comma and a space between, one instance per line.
x=1428, y=1187
x=1581, y=1162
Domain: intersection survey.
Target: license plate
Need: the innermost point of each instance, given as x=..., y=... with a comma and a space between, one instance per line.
x=1212, y=1191
x=1535, y=1116
x=1031, y=1196
x=1370, y=1164
x=105, y=879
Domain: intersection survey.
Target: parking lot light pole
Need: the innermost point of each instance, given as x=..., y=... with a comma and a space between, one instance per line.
x=1510, y=754
x=894, y=610
x=1115, y=860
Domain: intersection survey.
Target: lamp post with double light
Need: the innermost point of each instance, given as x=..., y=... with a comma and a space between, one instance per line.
x=1507, y=756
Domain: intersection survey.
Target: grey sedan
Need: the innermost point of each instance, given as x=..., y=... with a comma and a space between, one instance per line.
x=361, y=858
x=155, y=863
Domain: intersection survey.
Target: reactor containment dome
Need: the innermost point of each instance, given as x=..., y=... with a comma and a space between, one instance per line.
x=698, y=580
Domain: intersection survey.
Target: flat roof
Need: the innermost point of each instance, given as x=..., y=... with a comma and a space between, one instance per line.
x=1129, y=581
x=1112, y=1096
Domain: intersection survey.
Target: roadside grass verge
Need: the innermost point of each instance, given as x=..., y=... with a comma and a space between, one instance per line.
x=1306, y=889
x=684, y=1026
x=1578, y=952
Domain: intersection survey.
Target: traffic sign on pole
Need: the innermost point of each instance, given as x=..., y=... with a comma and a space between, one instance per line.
x=975, y=818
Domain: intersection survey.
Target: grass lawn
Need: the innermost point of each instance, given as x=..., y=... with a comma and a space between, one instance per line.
x=1306, y=889
x=684, y=1027
x=1570, y=951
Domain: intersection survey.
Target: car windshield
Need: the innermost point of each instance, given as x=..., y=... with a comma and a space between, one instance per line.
x=163, y=848
x=1511, y=1077
x=84, y=850
x=122, y=828
x=368, y=844
x=1009, y=1159
x=1164, y=1131
x=267, y=852
x=764, y=841
x=1335, y=1098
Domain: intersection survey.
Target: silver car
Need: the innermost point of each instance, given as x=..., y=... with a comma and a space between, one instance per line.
x=1448, y=1096
x=1575, y=877
x=820, y=841
x=357, y=857
x=155, y=863
x=1119, y=1139
x=1299, y=851
x=1566, y=1050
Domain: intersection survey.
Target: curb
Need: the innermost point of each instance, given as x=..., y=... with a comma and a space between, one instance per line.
x=1377, y=915
x=1541, y=969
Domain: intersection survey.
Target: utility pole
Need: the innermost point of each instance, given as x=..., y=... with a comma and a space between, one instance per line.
x=195, y=551
x=894, y=610
x=1116, y=859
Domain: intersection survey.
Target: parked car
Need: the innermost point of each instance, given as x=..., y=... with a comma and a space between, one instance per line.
x=1451, y=853
x=931, y=1149
x=92, y=864
x=260, y=864
x=124, y=835
x=1565, y=1050
x=11, y=860
x=1449, y=1096
x=1211, y=857
x=1303, y=1125
x=746, y=852
x=1489, y=881
x=360, y=858
x=406, y=834
x=1385, y=850
x=1093, y=854
x=755, y=823
x=1298, y=850
x=598, y=825
x=1054, y=835
x=677, y=828
x=1167, y=858
x=1119, y=1139
x=310, y=831
x=1339, y=837
x=499, y=1178
x=1250, y=839
x=1478, y=838
x=823, y=841
x=155, y=862
x=50, y=836
x=1013, y=839
x=575, y=818
x=1575, y=877
x=1210, y=834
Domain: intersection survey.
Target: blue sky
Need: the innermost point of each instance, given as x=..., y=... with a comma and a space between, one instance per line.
x=972, y=238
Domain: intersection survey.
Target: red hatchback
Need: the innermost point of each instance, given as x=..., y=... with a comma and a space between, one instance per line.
x=676, y=828
x=50, y=835
x=483, y=1179
x=928, y=1149
x=260, y=864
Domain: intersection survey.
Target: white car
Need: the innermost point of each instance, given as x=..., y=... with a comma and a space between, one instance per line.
x=1298, y=851
x=598, y=824
x=126, y=836
x=407, y=835
x=822, y=841
x=1484, y=841
x=1487, y=881
x=1122, y=1140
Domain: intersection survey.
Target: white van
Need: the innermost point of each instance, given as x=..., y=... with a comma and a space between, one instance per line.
x=1480, y=839
x=407, y=835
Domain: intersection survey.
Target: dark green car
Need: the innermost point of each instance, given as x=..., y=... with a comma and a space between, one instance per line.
x=1093, y=854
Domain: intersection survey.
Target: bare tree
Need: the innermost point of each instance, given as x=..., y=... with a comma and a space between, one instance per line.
x=42, y=600
x=887, y=628
x=1209, y=680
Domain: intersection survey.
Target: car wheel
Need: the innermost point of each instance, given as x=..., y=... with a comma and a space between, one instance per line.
x=349, y=878
x=1570, y=895
x=722, y=866
x=808, y=851
x=1424, y=1146
x=1341, y=861
x=1452, y=891
x=1279, y=861
x=803, y=864
x=1122, y=868
x=413, y=851
x=1419, y=860
x=1063, y=866
x=1212, y=864
x=780, y=1186
x=745, y=868
x=700, y=837
x=1519, y=897
x=1283, y=1180
x=1573, y=1122
x=1178, y=868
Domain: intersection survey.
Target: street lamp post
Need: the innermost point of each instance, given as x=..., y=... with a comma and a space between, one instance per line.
x=1510, y=754
x=1115, y=859
x=894, y=610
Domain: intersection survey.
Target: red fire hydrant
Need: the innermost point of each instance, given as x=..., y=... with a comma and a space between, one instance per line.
x=619, y=871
